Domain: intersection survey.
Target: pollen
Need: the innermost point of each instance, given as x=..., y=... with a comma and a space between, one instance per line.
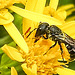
x=46, y=64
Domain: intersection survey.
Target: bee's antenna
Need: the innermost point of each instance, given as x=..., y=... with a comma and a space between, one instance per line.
x=31, y=32
x=27, y=30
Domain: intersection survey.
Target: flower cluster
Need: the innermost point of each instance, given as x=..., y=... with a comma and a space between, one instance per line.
x=31, y=54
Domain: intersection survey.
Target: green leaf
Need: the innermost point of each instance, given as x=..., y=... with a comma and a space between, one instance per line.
x=2, y=31
x=64, y=2
x=19, y=5
x=13, y=44
x=72, y=65
x=7, y=63
x=17, y=18
x=1, y=51
x=18, y=21
x=5, y=40
x=47, y=2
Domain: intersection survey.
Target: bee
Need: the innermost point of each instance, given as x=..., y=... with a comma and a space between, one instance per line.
x=57, y=35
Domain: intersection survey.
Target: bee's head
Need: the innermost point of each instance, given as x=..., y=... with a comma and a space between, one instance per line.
x=41, y=30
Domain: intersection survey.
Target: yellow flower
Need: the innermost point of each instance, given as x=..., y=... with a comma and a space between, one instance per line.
x=6, y=20
x=34, y=62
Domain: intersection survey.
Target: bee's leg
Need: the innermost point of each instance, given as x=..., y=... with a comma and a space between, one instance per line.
x=61, y=49
x=51, y=47
x=42, y=37
x=45, y=37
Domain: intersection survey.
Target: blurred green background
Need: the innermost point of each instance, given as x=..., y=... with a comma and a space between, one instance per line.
x=5, y=61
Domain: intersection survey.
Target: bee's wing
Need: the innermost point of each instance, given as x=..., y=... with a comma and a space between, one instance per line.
x=66, y=39
x=69, y=40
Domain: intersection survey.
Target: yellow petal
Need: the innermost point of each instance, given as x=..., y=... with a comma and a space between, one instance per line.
x=47, y=11
x=40, y=6
x=55, y=14
x=30, y=5
x=53, y=4
x=12, y=53
x=13, y=71
x=16, y=36
x=58, y=15
x=65, y=7
x=22, y=1
x=35, y=6
x=4, y=3
x=70, y=11
x=5, y=17
x=72, y=18
x=65, y=71
x=29, y=71
x=35, y=16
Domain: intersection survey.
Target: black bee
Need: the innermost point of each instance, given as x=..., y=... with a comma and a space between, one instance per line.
x=57, y=35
